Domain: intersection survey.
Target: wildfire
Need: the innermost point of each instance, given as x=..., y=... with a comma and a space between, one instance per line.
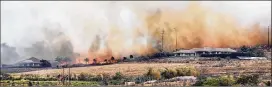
x=195, y=26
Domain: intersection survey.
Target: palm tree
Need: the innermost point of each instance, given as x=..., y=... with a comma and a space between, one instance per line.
x=86, y=60
x=94, y=61
x=112, y=59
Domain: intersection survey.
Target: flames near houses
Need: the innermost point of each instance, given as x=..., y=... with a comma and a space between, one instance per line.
x=135, y=44
x=139, y=31
x=168, y=30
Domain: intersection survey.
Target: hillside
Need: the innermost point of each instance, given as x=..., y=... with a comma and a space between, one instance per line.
x=262, y=67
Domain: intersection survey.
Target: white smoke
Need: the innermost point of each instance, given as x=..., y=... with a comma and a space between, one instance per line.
x=22, y=22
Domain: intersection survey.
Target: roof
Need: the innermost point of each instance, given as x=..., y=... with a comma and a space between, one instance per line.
x=185, y=77
x=206, y=49
x=250, y=58
x=185, y=51
x=31, y=60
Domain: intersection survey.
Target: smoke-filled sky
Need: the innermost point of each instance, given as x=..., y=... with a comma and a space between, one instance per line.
x=119, y=28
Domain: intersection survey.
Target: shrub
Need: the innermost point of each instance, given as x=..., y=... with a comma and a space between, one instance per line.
x=82, y=76
x=118, y=76
x=154, y=74
x=129, y=79
x=200, y=81
x=251, y=80
x=116, y=82
x=211, y=82
x=84, y=83
x=226, y=80
x=141, y=79
x=118, y=60
x=181, y=72
x=268, y=83
x=5, y=76
x=187, y=71
x=105, y=76
x=169, y=73
x=30, y=77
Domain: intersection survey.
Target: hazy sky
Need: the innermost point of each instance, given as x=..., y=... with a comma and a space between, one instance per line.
x=22, y=21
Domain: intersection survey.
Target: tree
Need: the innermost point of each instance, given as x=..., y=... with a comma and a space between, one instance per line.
x=112, y=59
x=252, y=51
x=94, y=61
x=131, y=56
x=45, y=63
x=67, y=60
x=59, y=59
x=244, y=49
x=124, y=58
x=106, y=60
x=86, y=60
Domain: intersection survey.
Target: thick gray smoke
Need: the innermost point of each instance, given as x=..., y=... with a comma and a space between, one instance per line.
x=49, y=48
x=8, y=54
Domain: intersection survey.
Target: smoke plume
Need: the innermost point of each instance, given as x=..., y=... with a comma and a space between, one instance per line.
x=104, y=29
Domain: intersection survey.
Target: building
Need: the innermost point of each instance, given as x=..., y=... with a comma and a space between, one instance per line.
x=251, y=58
x=205, y=52
x=185, y=53
x=31, y=62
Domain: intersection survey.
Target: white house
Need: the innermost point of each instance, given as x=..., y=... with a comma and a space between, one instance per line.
x=31, y=62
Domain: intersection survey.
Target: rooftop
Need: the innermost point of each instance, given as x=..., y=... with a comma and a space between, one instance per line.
x=30, y=60
x=209, y=49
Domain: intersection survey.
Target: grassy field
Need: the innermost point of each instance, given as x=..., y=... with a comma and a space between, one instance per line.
x=134, y=69
x=129, y=69
x=46, y=83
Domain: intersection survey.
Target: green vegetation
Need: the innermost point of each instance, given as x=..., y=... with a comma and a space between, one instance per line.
x=251, y=80
x=245, y=80
x=211, y=82
x=84, y=79
x=170, y=73
x=153, y=74
x=226, y=80
x=219, y=81
x=84, y=83
x=187, y=71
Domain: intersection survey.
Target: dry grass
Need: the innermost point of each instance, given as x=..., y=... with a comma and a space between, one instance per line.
x=135, y=69
x=130, y=69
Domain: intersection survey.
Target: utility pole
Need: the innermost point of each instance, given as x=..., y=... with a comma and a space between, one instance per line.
x=69, y=82
x=63, y=75
x=162, y=39
x=176, y=39
x=268, y=37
